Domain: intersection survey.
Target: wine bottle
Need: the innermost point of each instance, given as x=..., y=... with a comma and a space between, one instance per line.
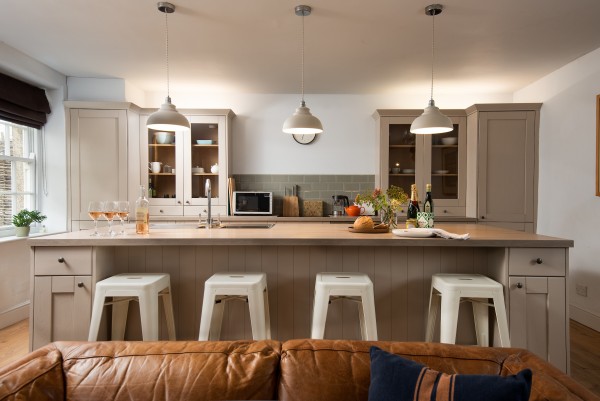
x=142, y=218
x=428, y=206
x=413, y=208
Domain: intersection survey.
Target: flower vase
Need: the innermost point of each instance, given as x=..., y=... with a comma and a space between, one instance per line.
x=388, y=217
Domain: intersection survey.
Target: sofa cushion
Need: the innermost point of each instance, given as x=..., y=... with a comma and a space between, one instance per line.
x=175, y=370
x=396, y=378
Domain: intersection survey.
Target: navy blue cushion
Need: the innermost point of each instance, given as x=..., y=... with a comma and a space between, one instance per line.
x=396, y=378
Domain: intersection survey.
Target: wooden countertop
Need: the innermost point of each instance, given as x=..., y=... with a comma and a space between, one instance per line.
x=295, y=234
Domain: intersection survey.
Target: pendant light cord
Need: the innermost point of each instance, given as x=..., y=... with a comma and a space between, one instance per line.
x=432, y=50
x=302, y=56
x=167, y=50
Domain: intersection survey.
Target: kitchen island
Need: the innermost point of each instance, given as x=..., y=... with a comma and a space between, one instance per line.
x=532, y=268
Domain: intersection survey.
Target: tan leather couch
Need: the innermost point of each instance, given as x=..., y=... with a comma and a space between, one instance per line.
x=304, y=370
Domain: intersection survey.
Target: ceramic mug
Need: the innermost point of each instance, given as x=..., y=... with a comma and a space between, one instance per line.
x=154, y=167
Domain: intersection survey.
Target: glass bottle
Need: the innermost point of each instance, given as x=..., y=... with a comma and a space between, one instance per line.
x=142, y=215
x=413, y=208
x=428, y=207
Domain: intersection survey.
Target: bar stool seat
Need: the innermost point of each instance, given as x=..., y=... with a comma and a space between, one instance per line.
x=358, y=287
x=145, y=288
x=449, y=289
x=223, y=287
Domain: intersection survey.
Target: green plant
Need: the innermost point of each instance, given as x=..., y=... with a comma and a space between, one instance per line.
x=386, y=204
x=25, y=217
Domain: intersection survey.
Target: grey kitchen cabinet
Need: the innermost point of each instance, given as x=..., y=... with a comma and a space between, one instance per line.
x=538, y=315
x=99, y=135
x=439, y=160
x=62, y=288
x=503, y=164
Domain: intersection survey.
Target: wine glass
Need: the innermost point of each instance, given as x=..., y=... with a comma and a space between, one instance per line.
x=123, y=213
x=110, y=211
x=95, y=211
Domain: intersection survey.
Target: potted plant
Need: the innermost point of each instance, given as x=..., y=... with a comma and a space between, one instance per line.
x=23, y=219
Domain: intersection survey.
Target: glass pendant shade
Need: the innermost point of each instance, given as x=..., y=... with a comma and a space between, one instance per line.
x=432, y=121
x=167, y=118
x=302, y=122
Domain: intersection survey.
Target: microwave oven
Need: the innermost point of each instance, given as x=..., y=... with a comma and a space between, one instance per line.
x=248, y=203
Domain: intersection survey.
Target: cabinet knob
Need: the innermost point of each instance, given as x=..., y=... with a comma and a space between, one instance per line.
x=519, y=285
x=80, y=284
x=160, y=211
x=179, y=202
x=187, y=202
x=482, y=217
x=445, y=211
x=539, y=261
x=61, y=260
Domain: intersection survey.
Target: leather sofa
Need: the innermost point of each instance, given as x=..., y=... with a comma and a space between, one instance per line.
x=304, y=370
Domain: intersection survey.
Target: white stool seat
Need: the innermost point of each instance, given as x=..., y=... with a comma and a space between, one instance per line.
x=222, y=287
x=123, y=288
x=477, y=289
x=345, y=285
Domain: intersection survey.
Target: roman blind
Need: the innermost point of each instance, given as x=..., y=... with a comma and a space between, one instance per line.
x=22, y=103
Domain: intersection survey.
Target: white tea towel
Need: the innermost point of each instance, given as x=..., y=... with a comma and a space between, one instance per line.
x=445, y=234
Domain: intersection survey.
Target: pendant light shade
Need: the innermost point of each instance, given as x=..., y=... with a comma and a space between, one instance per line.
x=432, y=121
x=302, y=121
x=167, y=118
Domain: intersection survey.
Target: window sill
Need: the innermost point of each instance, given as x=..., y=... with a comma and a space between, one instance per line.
x=11, y=238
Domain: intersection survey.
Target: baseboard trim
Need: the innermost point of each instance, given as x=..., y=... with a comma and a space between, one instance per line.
x=15, y=314
x=584, y=317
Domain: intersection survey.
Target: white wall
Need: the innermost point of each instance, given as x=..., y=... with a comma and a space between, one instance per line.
x=567, y=204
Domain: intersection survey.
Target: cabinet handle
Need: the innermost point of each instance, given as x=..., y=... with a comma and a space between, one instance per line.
x=519, y=285
x=80, y=284
x=61, y=260
x=187, y=202
x=539, y=261
x=482, y=217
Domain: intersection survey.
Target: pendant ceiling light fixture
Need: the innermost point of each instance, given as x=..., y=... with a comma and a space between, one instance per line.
x=302, y=121
x=432, y=121
x=167, y=118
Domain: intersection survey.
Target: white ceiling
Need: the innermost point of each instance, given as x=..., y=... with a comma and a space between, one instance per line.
x=352, y=46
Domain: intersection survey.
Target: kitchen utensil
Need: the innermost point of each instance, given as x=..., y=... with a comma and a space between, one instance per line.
x=408, y=171
x=204, y=141
x=339, y=203
x=197, y=170
x=167, y=169
x=154, y=167
x=214, y=168
x=164, y=137
x=290, y=203
x=396, y=170
x=353, y=210
x=440, y=171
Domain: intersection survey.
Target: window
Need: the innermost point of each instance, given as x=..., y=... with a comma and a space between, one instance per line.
x=17, y=172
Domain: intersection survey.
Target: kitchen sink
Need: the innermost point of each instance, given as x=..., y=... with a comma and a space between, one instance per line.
x=171, y=226
x=247, y=225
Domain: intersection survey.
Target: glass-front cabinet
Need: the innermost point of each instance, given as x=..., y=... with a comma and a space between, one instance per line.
x=178, y=164
x=440, y=160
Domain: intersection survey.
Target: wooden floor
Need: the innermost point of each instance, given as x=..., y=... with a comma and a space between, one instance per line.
x=585, y=351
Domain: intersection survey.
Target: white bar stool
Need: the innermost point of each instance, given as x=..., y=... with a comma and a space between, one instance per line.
x=478, y=290
x=346, y=285
x=222, y=287
x=144, y=288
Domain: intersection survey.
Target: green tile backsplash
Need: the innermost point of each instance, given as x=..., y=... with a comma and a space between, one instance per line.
x=309, y=187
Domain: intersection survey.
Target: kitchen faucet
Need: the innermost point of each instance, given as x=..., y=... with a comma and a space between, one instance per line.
x=207, y=192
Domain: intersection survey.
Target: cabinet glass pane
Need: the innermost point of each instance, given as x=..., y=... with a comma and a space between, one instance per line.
x=162, y=159
x=444, y=165
x=402, y=156
x=205, y=154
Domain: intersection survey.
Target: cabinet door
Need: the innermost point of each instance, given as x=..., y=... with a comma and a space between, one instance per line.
x=506, y=167
x=98, y=158
x=62, y=309
x=538, y=317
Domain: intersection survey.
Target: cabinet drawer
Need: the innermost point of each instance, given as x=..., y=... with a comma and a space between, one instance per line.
x=63, y=261
x=537, y=262
x=165, y=210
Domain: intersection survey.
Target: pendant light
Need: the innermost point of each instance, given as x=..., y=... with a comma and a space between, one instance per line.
x=302, y=121
x=432, y=121
x=167, y=118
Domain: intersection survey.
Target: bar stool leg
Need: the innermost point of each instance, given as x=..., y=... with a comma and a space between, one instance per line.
x=208, y=305
x=481, y=317
x=267, y=314
x=97, y=308
x=361, y=318
x=120, y=308
x=434, y=306
x=149, y=315
x=370, y=320
x=319, y=314
x=257, y=314
x=449, y=318
x=501, y=319
x=168, y=306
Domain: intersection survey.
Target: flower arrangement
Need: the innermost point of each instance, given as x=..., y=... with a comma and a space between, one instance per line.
x=385, y=204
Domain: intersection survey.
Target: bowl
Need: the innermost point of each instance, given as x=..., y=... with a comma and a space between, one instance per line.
x=408, y=171
x=204, y=141
x=164, y=137
x=396, y=170
x=197, y=170
x=441, y=171
x=449, y=140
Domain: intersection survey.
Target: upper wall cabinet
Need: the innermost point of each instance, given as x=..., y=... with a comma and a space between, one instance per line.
x=99, y=136
x=439, y=160
x=176, y=165
x=504, y=167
